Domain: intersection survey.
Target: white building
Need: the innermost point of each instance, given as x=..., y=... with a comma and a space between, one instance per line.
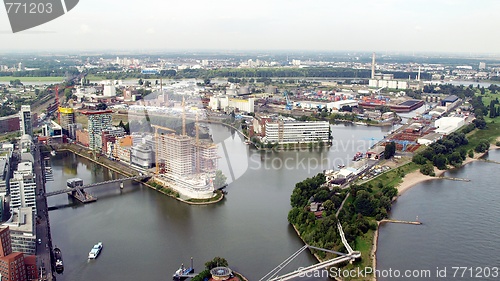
x=287, y=131
x=26, y=124
x=225, y=103
x=22, y=230
x=23, y=186
x=448, y=125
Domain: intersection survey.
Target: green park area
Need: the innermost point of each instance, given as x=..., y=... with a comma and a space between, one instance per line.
x=31, y=79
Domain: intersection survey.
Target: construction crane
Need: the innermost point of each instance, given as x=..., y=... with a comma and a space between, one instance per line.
x=157, y=127
x=289, y=105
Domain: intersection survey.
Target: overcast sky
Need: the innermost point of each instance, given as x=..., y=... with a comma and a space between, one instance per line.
x=468, y=26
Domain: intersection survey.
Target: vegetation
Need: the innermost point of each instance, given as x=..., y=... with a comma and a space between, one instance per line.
x=216, y=262
x=220, y=179
x=446, y=151
x=365, y=205
x=390, y=150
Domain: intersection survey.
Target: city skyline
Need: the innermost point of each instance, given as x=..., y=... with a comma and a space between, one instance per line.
x=383, y=26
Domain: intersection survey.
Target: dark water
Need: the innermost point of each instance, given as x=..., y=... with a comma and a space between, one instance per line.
x=147, y=236
x=460, y=226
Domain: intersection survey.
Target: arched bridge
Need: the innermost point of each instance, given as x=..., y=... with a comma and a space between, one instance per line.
x=80, y=188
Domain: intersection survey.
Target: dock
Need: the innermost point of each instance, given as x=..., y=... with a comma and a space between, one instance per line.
x=454, y=179
x=400, y=221
x=489, y=161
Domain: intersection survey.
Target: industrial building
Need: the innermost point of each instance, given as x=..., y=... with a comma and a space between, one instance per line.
x=284, y=131
x=10, y=123
x=448, y=125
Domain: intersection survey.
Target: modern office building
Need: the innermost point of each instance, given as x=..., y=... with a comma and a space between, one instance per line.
x=15, y=266
x=142, y=155
x=23, y=186
x=291, y=131
x=175, y=154
x=67, y=117
x=98, y=121
x=26, y=124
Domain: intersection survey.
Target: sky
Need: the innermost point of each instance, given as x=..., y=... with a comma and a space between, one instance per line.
x=410, y=26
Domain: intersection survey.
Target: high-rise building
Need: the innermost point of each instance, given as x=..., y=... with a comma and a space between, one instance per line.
x=175, y=154
x=26, y=124
x=15, y=266
x=98, y=122
x=67, y=117
x=23, y=186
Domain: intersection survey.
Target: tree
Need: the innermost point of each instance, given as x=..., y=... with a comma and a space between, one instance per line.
x=68, y=93
x=216, y=262
x=220, y=179
x=440, y=161
x=390, y=150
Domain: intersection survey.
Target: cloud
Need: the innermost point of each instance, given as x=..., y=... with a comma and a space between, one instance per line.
x=150, y=31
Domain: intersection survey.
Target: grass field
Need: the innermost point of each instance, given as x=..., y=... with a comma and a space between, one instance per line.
x=31, y=79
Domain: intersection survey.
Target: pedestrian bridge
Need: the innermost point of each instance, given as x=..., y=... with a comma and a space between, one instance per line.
x=97, y=184
x=301, y=272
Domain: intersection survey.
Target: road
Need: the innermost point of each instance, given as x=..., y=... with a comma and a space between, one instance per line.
x=44, y=242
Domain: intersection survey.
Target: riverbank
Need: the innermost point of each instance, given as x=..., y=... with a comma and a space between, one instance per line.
x=413, y=179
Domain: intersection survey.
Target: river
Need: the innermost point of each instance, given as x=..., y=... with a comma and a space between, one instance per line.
x=147, y=235
x=460, y=226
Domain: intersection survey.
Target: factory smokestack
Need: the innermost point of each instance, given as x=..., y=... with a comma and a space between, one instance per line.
x=373, y=66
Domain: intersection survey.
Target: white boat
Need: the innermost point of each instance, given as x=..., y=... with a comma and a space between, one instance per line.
x=95, y=250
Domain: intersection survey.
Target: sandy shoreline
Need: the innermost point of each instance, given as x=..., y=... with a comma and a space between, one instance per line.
x=413, y=179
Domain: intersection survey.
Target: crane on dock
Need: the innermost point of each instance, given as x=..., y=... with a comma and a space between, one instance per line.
x=157, y=127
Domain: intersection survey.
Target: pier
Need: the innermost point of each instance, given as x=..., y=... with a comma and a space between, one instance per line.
x=489, y=161
x=400, y=221
x=454, y=179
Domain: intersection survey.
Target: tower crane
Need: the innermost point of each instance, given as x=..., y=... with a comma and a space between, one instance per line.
x=157, y=127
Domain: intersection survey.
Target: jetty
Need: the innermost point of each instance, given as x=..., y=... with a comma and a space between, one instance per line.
x=400, y=221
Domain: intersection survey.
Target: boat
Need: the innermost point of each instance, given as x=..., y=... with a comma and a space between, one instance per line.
x=59, y=260
x=96, y=250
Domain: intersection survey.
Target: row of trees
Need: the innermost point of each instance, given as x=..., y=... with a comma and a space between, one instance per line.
x=446, y=151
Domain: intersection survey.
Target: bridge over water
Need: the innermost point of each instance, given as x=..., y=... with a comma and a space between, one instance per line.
x=79, y=189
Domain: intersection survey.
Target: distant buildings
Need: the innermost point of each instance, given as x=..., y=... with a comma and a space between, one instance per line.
x=26, y=124
x=10, y=123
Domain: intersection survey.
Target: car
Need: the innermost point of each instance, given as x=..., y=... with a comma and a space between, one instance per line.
x=39, y=241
